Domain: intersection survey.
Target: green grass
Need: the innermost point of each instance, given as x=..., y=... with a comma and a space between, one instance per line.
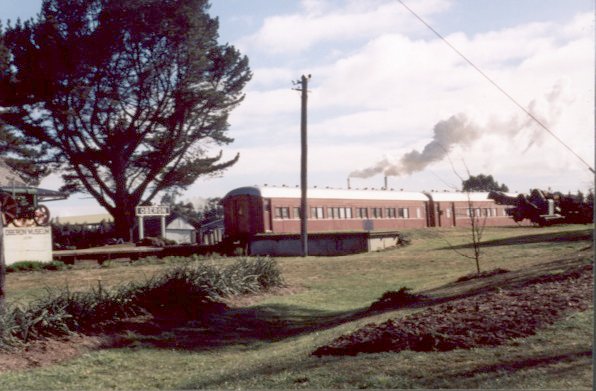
x=268, y=344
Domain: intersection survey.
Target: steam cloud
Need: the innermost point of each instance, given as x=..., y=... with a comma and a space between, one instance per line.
x=460, y=130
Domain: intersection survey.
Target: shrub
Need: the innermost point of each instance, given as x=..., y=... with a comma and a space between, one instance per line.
x=404, y=239
x=27, y=266
x=187, y=291
x=54, y=265
x=24, y=266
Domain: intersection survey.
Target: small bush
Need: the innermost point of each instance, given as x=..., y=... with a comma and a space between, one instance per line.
x=404, y=239
x=28, y=266
x=24, y=266
x=185, y=291
x=155, y=242
x=54, y=265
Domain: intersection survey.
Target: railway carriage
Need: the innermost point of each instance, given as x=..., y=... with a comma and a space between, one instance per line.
x=255, y=210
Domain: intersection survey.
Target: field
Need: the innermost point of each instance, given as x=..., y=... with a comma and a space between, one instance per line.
x=266, y=340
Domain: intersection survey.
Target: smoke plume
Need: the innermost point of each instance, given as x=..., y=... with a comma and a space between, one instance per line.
x=456, y=130
x=460, y=130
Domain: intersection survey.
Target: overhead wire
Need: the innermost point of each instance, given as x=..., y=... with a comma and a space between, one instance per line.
x=511, y=98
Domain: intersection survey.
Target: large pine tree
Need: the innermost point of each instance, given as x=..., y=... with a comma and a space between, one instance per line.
x=129, y=96
x=16, y=152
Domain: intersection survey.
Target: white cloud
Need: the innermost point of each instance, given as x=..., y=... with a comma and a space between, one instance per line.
x=384, y=98
x=322, y=23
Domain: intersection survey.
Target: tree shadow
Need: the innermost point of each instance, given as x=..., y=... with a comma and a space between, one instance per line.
x=234, y=326
x=526, y=363
x=548, y=237
x=461, y=289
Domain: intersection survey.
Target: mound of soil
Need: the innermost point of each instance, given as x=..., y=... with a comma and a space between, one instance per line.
x=47, y=352
x=397, y=299
x=488, y=319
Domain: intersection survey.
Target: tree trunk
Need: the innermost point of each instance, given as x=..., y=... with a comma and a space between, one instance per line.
x=124, y=222
x=2, y=271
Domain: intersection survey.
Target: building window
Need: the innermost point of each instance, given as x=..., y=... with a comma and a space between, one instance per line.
x=403, y=213
x=282, y=212
x=417, y=213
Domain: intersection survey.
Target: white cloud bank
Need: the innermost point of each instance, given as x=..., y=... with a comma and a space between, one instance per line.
x=384, y=96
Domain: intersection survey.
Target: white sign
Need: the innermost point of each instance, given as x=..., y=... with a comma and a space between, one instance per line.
x=27, y=244
x=157, y=210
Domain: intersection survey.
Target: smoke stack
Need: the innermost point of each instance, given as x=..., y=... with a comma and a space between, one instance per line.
x=349, y=183
x=386, y=187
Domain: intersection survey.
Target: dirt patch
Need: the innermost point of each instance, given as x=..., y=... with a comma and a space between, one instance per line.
x=487, y=319
x=485, y=274
x=252, y=299
x=47, y=352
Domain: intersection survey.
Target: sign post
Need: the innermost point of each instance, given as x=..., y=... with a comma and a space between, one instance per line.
x=153, y=210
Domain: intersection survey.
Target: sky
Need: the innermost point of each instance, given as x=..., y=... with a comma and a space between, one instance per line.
x=389, y=97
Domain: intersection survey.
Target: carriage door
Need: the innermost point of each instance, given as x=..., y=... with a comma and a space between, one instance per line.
x=438, y=214
x=268, y=224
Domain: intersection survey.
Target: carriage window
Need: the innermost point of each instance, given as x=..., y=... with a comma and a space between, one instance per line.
x=316, y=212
x=297, y=214
x=403, y=213
x=282, y=213
x=390, y=213
x=377, y=213
x=362, y=213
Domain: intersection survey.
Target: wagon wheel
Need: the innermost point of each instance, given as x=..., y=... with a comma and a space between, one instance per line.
x=41, y=215
x=8, y=208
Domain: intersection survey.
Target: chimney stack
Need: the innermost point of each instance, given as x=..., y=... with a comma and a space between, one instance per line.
x=386, y=187
x=349, y=183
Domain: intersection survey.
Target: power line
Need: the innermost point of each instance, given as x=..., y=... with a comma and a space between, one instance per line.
x=497, y=86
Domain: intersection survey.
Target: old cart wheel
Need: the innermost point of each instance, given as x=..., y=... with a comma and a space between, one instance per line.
x=41, y=215
x=8, y=207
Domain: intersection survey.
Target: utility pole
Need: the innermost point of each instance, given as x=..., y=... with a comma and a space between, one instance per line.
x=303, y=165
